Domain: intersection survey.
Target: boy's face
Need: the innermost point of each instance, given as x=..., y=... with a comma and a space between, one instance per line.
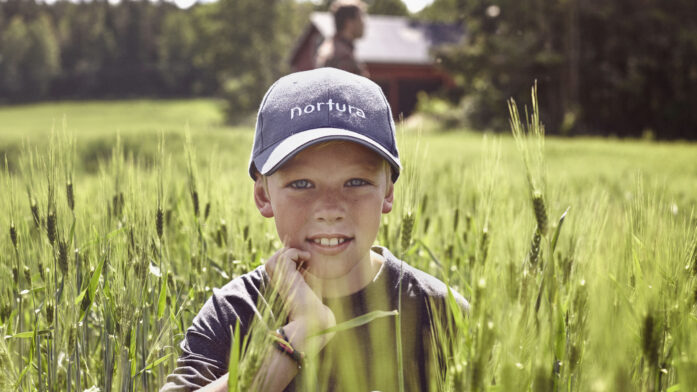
x=328, y=201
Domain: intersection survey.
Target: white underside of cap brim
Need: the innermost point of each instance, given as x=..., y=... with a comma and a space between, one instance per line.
x=296, y=142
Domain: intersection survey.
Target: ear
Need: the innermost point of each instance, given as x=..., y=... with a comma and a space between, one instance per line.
x=389, y=198
x=262, y=199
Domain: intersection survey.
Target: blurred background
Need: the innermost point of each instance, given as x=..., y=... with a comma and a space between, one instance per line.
x=620, y=68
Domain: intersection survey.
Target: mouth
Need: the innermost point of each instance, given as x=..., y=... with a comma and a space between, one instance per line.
x=329, y=241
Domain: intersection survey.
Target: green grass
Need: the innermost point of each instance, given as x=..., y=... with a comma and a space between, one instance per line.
x=625, y=262
x=97, y=117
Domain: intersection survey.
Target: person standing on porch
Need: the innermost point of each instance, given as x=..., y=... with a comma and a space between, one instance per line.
x=338, y=52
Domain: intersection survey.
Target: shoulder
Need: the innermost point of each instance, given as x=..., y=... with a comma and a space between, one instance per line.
x=417, y=282
x=326, y=47
x=239, y=296
x=251, y=281
x=206, y=344
x=234, y=302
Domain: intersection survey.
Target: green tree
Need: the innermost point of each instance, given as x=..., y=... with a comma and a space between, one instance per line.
x=177, y=47
x=245, y=44
x=88, y=47
x=448, y=11
x=387, y=7
x=620, y=67
x=14, y=45
x=508, y=46
x=42, y=59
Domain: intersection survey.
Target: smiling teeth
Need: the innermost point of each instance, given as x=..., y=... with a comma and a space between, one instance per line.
x=329, y=241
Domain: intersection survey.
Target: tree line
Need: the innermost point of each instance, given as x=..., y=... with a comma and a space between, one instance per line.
x=136, y=48
x=621, y=67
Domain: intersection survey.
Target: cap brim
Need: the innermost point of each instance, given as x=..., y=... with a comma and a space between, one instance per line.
x=269, y=160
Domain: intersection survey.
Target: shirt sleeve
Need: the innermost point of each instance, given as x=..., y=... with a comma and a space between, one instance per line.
x=205, y=349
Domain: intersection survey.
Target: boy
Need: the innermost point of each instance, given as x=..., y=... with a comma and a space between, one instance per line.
x=324, y=163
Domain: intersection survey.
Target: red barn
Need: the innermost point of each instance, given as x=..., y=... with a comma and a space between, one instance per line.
x=396, y=50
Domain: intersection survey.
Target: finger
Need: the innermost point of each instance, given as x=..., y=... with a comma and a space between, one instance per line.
x=289, y=270
x=285, y=270
x=287, y=245
x=298, y=256
x=270, y=265
x=272, y=262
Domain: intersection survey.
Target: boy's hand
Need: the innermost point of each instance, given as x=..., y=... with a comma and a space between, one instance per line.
x=306, y=312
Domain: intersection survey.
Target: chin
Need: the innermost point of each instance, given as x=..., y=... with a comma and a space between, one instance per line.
x=324, y=267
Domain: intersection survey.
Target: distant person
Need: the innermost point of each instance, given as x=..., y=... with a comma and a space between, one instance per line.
x=338, y=52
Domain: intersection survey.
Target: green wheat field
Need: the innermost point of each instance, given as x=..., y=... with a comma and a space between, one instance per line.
x=579, y=256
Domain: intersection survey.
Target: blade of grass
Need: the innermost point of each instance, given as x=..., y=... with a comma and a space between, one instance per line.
x=358, y=321
x=155, y=363
x=556, y=232
x=162, y=300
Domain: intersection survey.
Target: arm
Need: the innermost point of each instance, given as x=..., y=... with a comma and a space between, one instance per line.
x=275, y=373
x=307, y=315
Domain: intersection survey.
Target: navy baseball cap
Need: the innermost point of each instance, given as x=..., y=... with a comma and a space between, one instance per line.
x=310, y=107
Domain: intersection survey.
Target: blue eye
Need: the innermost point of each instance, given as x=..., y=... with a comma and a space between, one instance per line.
x=300, y=184
x=356, y=182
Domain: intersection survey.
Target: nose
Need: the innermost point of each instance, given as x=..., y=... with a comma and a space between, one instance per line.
x=330, y=207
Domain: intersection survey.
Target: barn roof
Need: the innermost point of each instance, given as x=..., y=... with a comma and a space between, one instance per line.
x=393, y=39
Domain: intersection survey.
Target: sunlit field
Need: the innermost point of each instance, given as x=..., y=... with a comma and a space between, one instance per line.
x=118, y=218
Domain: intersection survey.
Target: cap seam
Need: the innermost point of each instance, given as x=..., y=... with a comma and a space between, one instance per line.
x=261, y=107
x=390, y=120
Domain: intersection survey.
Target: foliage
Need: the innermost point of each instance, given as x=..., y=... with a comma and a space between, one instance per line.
x=248, y=55
x=603, y=300
x=387, y=7
x=617, y=67
x=443, y=113
x=30, y=58
x=96, y=49
x=177, y=54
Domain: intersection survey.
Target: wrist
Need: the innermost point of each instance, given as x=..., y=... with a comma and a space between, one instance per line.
x=284, y=345
x=302, y=335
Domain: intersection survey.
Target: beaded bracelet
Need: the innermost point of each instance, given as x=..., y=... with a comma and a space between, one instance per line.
x=282, y=343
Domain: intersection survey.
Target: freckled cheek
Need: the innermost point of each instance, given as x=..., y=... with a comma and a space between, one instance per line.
x=290, y=219
x=369, y=212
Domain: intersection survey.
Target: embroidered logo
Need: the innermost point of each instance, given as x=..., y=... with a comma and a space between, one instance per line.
x=297, y=111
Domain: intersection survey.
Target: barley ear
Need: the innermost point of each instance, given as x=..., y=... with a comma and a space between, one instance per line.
x=27, y=275
x=538, y=203
x=69, y=194
x=534, y=253
x=51, y=227
x=649, y=339
x=35, y=212
x=63, y=256
x=5, y=312
x=159, y=222
x=484, y=245
x=49, y=314
x=456, y=219
x=13, y=235
x=194, y=200
x=407, y=227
